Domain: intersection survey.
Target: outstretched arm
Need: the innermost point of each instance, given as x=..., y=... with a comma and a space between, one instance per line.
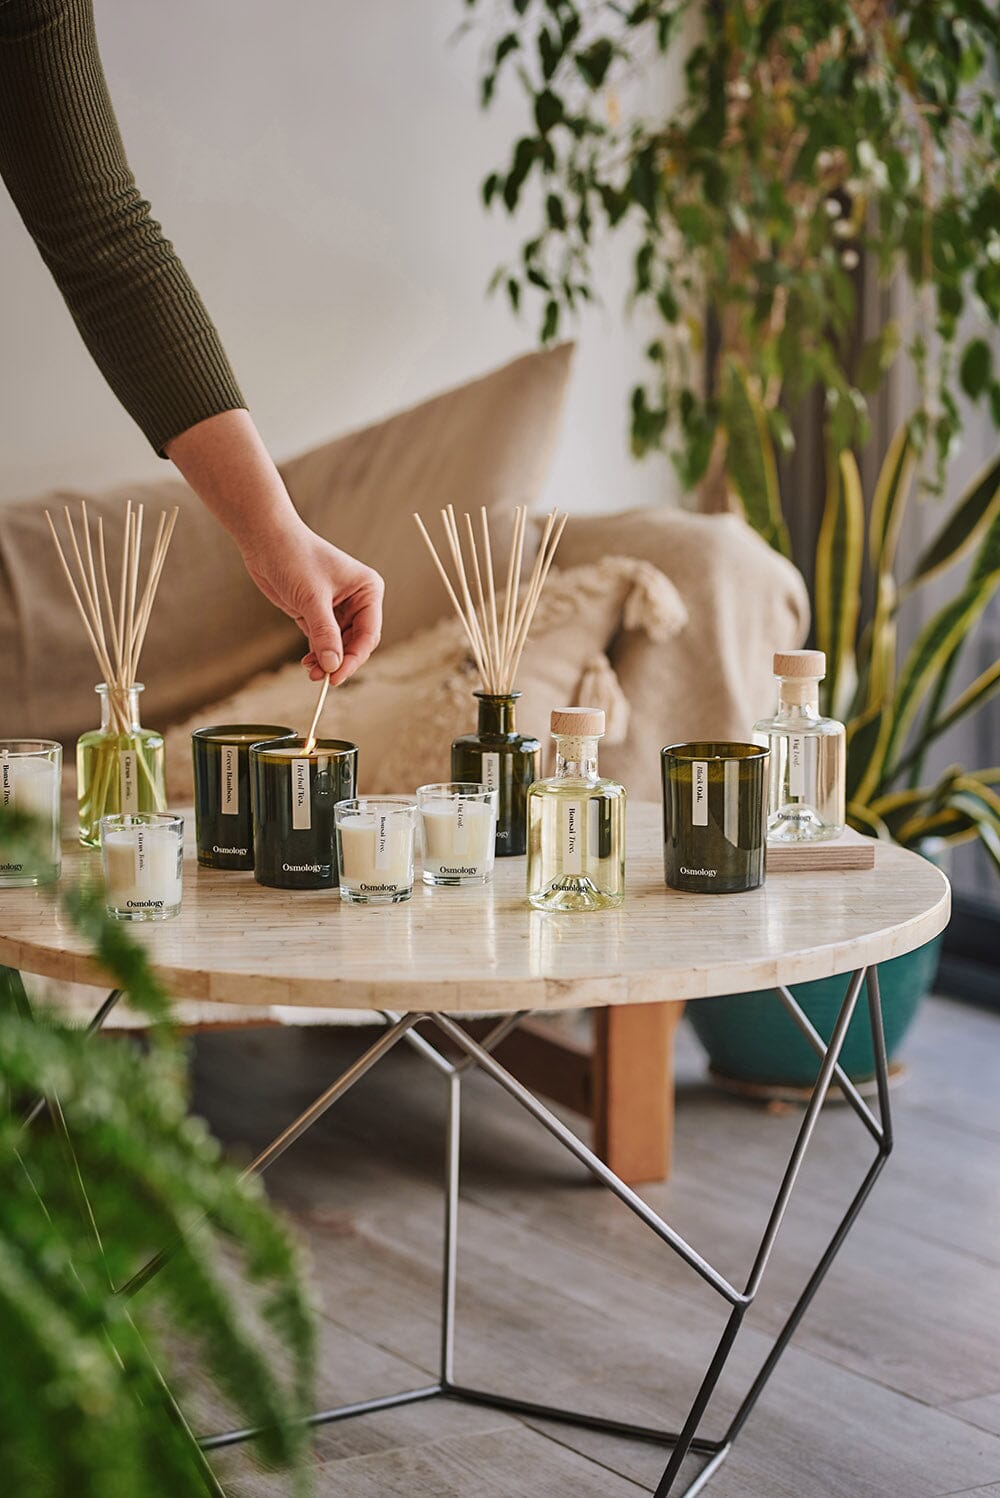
x=63, y=161
x=335, y=600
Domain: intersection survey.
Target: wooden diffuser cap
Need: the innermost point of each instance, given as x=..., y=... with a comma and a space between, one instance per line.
x=810, y=665
x=580, y=722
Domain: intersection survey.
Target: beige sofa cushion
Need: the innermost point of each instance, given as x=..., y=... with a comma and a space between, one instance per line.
x=486, y=443
x=712, y=679
x=415, y=697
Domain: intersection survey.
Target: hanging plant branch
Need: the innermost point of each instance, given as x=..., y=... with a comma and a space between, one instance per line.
x=804, y=137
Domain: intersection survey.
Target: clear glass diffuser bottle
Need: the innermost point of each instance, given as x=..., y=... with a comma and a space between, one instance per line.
x=503, y=760
x=806, y=793
x=120, y=766
x=576, y=823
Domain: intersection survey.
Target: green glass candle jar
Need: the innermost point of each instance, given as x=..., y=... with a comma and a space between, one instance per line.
x=714, y=816
x=222, y=791
x=293, y=795
x=503, y=760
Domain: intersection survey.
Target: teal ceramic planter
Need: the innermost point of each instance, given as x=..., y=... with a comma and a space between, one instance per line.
x=752, y=1037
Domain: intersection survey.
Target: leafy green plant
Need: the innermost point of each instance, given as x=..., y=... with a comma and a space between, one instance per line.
x=895, y=714
x=805, y=136
x=113, y=1170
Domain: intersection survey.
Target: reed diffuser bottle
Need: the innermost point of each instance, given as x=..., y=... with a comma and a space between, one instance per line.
x=576, y=823
x=806, y=794
x=496, y=629
x=503, y=760
x=120, y=767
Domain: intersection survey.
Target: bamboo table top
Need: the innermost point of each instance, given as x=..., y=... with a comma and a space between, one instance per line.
x=485, y=949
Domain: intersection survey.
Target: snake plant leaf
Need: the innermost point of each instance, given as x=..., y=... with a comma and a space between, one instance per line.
x=892, y=490
x=977, y=509
x=975, y=696
x=867, y=737
x=980, y=805
x=863, y=819
x=750, y=458
x=932, y=653
x=839, y=557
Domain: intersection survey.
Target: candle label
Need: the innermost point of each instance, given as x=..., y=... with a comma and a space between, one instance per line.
x=301, y=800
x=7, y=784
x=382, y=840
x=796, y=765
x=802, y=752
x=731, y=802
x=128, y=780
x=140, y=856
x=461, y=827
x=230, y=781
x=491, y=770
x=699, y=793
x=572, y=839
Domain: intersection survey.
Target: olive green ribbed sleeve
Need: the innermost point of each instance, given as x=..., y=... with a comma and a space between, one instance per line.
x=62, y=158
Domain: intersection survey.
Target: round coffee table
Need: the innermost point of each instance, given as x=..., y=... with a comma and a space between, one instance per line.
x=452, y=953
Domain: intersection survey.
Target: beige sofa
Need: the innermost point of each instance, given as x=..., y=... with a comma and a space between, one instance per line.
x=670, y=618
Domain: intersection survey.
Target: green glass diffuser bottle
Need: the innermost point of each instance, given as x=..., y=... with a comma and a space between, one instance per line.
x=576, y=823
x=120, y=766
x=503, y=760
x=496, y=755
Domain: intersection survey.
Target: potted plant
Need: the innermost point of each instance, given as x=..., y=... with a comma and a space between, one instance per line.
x=110, y=1170
x=893, y=716
x=807, y=147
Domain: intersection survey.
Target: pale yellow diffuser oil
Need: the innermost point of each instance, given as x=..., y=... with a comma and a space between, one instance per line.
x=576, y=823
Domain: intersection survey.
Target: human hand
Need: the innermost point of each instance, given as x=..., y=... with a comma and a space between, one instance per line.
x=335, y=600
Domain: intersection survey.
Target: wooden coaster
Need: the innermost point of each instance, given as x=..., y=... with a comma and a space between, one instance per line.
x=851, y=850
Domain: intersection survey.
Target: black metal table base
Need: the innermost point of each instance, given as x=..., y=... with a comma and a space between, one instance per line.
x=687, y=1441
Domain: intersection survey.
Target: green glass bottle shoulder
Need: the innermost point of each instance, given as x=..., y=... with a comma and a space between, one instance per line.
x=506, y=761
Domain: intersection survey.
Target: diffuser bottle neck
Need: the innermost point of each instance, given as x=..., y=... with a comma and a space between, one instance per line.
x=576, y=756
x=798, y=697
x=496, y=714
x=117, y=704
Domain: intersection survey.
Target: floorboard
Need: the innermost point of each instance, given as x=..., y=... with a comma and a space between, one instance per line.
x=889, y=1391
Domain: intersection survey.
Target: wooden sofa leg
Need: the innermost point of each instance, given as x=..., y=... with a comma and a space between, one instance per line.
x=633, y=1088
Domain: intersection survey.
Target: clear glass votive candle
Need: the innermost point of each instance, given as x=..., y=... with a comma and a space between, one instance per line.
x=30, y=783
x=294, y=793
x=222, y=810
x=714, y=816
x=142, y=857
x=375, y=849
x=458, y=825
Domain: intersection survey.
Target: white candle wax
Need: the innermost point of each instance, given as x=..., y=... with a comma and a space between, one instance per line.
x=142, y=869
x=30, y=785
x=458, y=838
x=376, y=854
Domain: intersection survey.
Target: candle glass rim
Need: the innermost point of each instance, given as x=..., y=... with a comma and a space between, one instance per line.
x=272, y=750
x=121, y=821
x=43, y=748
x=719, y=750
x=456, y=790
x=221, y=733
x=356, y=806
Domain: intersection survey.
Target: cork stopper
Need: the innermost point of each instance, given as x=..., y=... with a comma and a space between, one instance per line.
x=807, y=665
x=578, y=722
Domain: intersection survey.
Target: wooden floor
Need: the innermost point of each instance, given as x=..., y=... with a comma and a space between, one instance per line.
x=891, y=1389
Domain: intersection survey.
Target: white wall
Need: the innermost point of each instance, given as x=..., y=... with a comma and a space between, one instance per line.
x=318, y=167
